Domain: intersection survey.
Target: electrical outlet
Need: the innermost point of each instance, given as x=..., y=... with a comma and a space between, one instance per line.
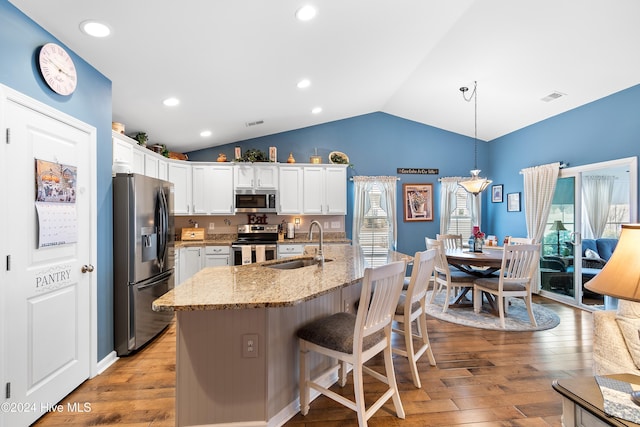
x=212, y=226
x=250, y=345
x=326, y=225
x=335, y=224
x=346, y=306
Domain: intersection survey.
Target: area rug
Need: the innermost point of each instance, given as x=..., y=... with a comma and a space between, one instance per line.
x=517, y=318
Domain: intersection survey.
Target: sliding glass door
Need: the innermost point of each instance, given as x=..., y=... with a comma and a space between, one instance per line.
x=589, y=205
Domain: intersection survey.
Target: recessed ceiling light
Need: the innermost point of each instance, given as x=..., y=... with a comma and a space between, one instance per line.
x=95, y=29
x=306, y=13
x=205, y=133
x=316, y=110
x=171, y=102
x=304, y=83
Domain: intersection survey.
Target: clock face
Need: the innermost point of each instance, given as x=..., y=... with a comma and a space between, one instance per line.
x=57, y=69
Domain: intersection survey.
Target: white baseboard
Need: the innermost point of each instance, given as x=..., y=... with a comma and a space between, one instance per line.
x=109, y=360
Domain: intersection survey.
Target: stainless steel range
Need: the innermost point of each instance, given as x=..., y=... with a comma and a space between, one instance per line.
x=253, y=235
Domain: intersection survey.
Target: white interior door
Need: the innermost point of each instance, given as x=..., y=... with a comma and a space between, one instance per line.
x=47, y=314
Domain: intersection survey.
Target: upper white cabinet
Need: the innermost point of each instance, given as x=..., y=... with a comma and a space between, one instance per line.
x=256, y=176
x=179, y=173
x=290, y=190
x=212, y=188
x=324, y=190
x=140, y=160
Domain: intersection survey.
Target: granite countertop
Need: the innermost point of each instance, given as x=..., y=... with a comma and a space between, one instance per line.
x=255, y=285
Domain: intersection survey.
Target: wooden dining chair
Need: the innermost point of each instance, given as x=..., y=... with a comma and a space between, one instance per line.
x=354, y=339
x=450, y=241
x=520, y=241
x=445, y=277
x=412, y=308
x=514, y=280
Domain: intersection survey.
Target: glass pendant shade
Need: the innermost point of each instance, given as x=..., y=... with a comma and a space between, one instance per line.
x=620, y=276
x=475, y=185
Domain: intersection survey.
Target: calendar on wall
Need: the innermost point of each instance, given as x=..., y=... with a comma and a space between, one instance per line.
x=56, y=203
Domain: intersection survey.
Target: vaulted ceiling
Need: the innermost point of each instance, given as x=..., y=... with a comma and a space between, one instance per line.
x=233, y=63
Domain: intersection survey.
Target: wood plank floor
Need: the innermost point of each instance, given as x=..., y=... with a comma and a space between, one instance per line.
x=482, y=378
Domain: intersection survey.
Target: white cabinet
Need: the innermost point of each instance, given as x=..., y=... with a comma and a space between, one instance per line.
x=256, y=176
x=190, y=261
x=162, y=169
x=335, y=178
x=179, y=173
x=122, y=149
x=215, y=256
x=138, y=160
x=212, y=189
x=151, y=166
x=325, y=190
x=286, y=250
x=290, y=190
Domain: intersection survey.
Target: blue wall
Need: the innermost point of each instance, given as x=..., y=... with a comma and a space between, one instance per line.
x=606, y=129
x=377, y=144
x=20, y=39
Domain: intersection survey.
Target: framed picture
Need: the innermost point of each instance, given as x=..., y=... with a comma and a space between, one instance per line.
x=273, y=154
x=418, y=202
x=513, y=202
x=496, y=193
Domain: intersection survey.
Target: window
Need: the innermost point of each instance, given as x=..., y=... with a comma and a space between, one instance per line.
x=374, y=219
x=460, y=219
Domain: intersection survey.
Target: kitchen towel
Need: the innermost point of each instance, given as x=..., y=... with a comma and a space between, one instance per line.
x=260, y=253
x=246, y=254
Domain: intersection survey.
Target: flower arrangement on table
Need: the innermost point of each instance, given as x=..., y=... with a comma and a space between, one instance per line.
x=476, y=240
x=477, y=233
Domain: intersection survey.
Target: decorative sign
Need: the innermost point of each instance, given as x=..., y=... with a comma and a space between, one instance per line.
x=256, y=219
x=418, y=171
x=56, y=203
x=53, y=278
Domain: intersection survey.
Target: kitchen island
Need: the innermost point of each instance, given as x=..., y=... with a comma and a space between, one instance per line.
x=236, y=348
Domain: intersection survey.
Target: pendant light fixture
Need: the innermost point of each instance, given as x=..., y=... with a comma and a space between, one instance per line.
x=474, y=185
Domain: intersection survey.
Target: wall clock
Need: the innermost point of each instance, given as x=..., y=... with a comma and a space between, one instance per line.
x=57, y=69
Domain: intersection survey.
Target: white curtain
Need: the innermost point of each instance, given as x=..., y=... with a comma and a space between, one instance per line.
x=448, y=188
x=597, y=192
x=539, y=186
x=375, y=203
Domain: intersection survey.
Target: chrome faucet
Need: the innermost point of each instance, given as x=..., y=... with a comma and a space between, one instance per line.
x=319, y=254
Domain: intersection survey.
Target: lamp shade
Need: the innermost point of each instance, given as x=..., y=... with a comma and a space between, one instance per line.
x=620, y=276
x=475, y=185
x=557, y=226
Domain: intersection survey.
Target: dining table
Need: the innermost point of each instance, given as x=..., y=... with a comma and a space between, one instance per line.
x=480, y=264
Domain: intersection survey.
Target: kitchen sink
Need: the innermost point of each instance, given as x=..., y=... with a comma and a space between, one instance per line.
x=295, y=263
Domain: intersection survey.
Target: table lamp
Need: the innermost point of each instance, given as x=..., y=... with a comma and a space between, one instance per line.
x=558, y=226
x=620, y=276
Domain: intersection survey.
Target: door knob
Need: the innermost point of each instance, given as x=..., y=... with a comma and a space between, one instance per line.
x=87, y=268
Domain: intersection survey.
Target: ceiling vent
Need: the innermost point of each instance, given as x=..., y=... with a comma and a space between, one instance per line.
x=256, y=123
x=553, y=96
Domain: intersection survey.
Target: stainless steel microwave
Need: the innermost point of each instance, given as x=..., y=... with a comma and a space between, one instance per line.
x=256, y=201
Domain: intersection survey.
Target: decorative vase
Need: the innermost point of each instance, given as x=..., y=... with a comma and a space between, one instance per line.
x=291, y=159
x=475, y=244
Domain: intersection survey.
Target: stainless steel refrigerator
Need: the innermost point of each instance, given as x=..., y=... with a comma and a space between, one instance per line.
x=143, y=258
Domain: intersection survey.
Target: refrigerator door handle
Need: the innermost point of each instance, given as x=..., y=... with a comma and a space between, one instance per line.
x=153, y=281
x=162, y=227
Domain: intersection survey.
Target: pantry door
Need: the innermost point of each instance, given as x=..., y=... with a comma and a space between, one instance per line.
x=50, y=275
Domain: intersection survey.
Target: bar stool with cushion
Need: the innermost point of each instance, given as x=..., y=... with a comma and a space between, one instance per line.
x=354, y=339
x=519, y=263
x=411, y=307
x=445, y=277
